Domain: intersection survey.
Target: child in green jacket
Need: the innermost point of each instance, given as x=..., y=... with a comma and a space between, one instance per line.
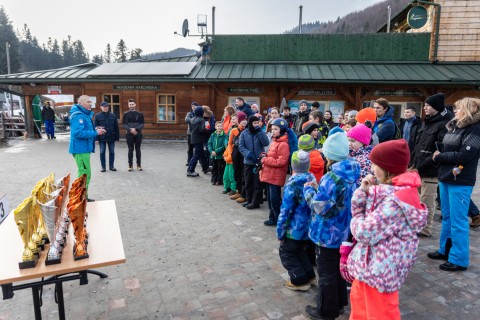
x=216, y=147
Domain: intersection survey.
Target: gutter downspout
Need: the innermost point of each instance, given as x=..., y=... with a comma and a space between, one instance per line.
x=437, y=27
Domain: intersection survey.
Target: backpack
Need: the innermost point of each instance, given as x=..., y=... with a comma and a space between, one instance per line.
x=398, y=134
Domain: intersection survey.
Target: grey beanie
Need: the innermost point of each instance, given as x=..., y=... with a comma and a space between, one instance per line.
x=300, y=161
x=352, y=114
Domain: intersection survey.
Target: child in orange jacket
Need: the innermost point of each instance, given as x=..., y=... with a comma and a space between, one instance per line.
x=317, y=164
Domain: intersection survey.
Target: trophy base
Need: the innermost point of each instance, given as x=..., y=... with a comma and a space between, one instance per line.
x=28, y=264
x=41, y=245
x=85, y=256
x=53, y=261
x=46, y=240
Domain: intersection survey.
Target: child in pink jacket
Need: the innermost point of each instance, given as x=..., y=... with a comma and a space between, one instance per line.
x=386, y=217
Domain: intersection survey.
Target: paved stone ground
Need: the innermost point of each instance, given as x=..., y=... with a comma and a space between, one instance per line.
x=194, y=254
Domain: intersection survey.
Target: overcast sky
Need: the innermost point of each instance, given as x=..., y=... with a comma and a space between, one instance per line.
x=150, y=24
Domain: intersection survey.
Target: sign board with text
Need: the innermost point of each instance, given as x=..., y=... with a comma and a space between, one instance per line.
x=54, y=89
x=135, y=87
x=4, y=210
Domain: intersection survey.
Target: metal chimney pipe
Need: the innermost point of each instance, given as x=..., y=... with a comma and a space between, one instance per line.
x=213, y=21
x=389, y=10
x=300, y=21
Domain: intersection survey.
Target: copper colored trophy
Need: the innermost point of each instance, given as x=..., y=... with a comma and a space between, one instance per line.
x=77, y=213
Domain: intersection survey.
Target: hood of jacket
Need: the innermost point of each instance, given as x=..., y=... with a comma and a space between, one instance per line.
x=464, y=123
x=405, y=188
x=441, y=116
x=299, y=179
x=388, y=115
x=79, y=108
x=198, y=111
x=348, y=170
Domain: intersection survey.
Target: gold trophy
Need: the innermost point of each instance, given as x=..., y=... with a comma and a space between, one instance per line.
x=77, y=213
x=24, y=218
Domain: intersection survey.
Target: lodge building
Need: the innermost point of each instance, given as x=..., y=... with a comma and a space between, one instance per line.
x=341, y=71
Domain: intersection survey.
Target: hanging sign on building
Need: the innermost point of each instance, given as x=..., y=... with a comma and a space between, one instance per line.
x=403, y=93
x=244, y=90
x=417, y=17
x=135, y=87
x=317, y=92
x=54, y=89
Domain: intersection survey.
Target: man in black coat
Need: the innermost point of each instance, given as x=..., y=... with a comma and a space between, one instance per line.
x=133, y=122
x=108, y=121
x=199, y=137
x=48, y=116
x=241, y=105
x=409, y=127
x=428, y=138
x=301, y=117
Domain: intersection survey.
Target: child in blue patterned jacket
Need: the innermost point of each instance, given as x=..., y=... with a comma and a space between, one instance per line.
x=292, y=226
x=330, y=226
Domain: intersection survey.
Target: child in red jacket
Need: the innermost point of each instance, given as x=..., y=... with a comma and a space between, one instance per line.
x=275, y=166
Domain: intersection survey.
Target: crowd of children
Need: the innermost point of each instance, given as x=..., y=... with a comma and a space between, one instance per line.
x=344, y=186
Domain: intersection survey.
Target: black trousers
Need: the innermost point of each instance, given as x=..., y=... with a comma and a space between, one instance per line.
x=332, y=288
x=237, y=158
x=253, y=189
x=134, y=142
x=295, y=259
x=217, y=170
x=198, y=155
x=190, y=148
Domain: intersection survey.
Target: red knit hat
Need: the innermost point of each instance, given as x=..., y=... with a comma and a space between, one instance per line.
x=392, y=156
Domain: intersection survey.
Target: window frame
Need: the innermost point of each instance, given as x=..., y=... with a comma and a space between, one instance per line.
x=166, y=105
x=112, y=104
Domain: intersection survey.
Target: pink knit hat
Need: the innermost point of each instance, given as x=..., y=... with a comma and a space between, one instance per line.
x=360, y=133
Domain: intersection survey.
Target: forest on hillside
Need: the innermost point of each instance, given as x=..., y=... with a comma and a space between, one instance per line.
x=365, y=21
x=27, y=54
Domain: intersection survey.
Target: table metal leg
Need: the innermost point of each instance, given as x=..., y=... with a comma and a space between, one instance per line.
x=36, y=303
x=98, y=273
x=59, y=300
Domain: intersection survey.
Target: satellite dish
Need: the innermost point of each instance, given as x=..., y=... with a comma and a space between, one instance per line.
x=185, y=28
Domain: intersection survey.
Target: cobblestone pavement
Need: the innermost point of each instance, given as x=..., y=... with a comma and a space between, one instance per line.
x=194, y=254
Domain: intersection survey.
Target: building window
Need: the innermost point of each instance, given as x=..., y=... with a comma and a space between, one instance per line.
x=166, y=111
x=114, y=101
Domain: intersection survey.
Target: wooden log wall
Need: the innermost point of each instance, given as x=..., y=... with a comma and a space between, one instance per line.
x=459, y=38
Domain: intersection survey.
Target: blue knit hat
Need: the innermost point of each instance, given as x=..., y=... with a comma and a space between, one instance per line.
x=335, y=130
x=335, y=147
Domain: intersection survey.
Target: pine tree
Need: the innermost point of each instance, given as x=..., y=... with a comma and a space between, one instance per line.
x=67, y=52
x=108, y=54
x=121, y=52
x=136, y=54
x=98, y=59
x=79, y=54
x=8, y=35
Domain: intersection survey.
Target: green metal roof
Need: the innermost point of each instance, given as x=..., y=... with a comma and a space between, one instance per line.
x=421, y=73
x=369, y=47
x=381, y=73
x=395, y=73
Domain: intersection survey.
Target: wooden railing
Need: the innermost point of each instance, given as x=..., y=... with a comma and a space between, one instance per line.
x=11, y=126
